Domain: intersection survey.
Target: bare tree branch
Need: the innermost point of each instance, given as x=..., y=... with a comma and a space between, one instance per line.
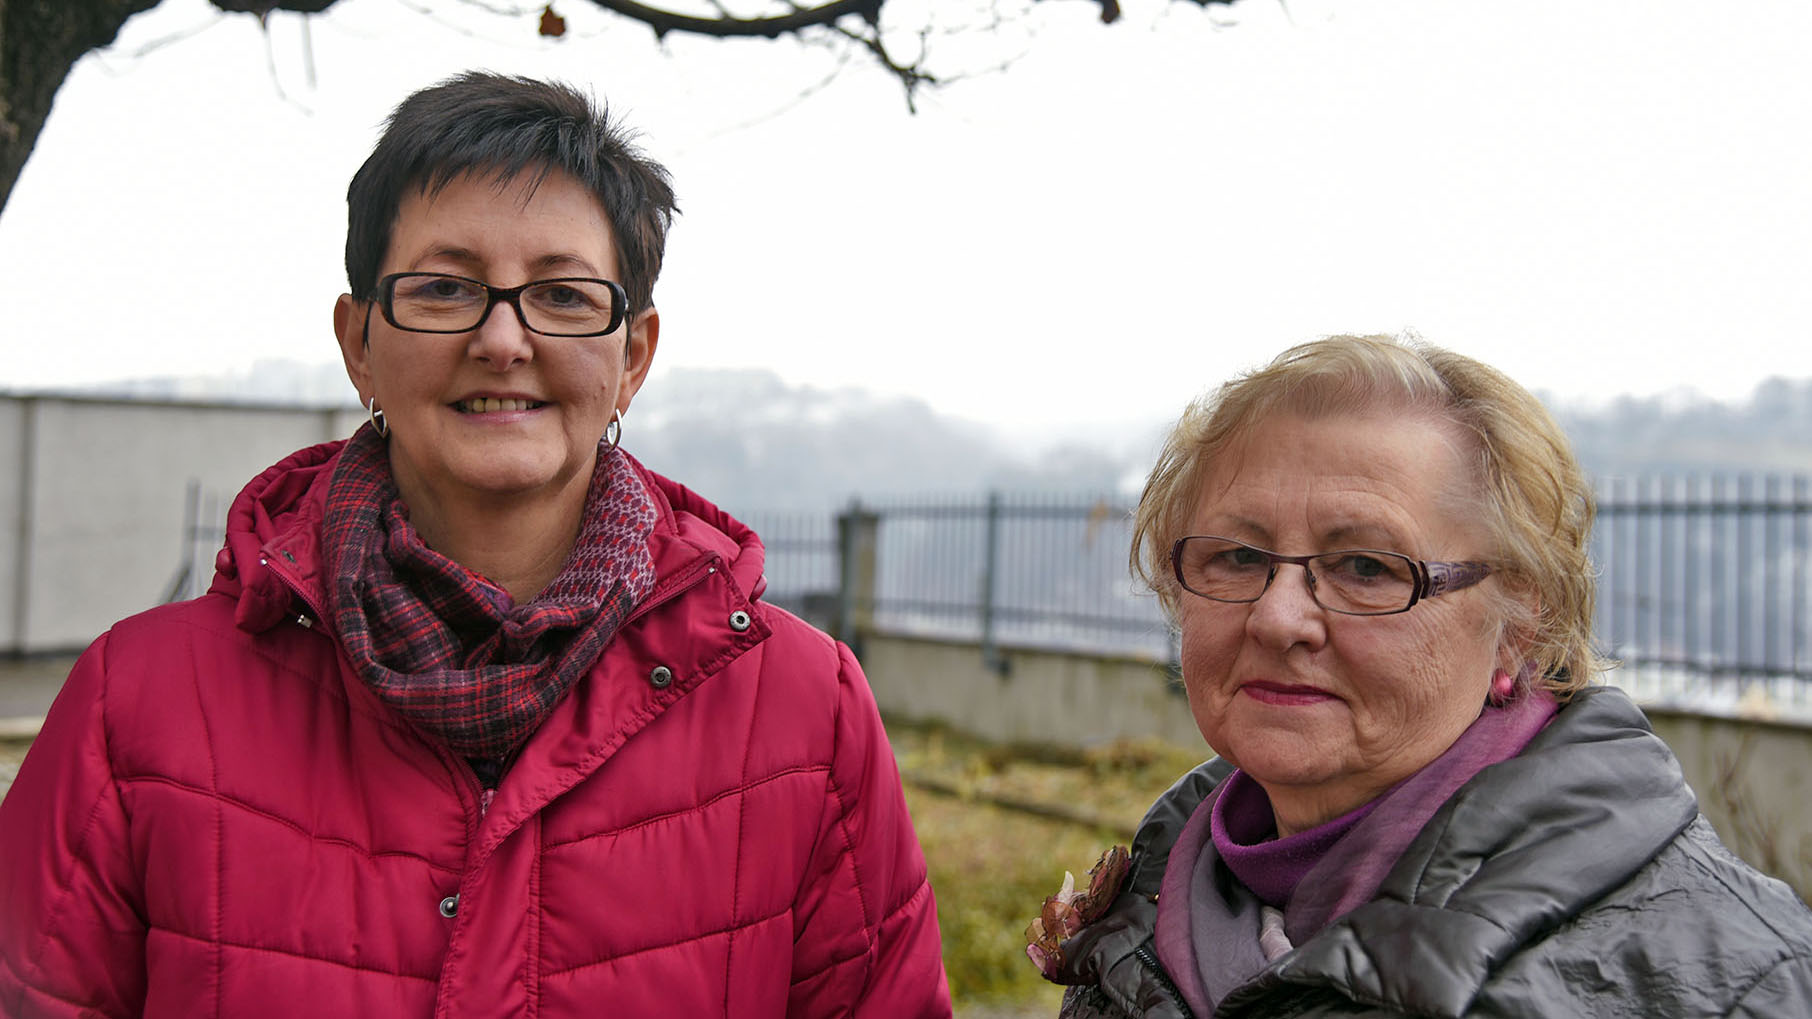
x=911, y=75
x=40, y=40
x=664, y=21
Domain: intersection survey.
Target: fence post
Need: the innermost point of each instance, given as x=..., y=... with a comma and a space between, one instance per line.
x=182, y=584
x=991, y=656
x=857, y=529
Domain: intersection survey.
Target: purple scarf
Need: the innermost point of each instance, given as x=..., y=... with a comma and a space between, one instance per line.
x=1209, y=905
x=448, y=649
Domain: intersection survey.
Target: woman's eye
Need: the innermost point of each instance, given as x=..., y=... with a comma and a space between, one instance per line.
x=1240, y=559
x=1358, y=566
x=442, y=288
x=562, y=297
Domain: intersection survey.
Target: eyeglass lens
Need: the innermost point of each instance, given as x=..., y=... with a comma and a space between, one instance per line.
x=1346, y=581
x=560, y=307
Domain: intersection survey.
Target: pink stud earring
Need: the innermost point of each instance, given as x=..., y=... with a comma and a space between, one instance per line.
x=1502, y=686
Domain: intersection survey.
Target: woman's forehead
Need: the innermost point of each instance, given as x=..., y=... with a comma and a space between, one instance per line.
x=1343, y=478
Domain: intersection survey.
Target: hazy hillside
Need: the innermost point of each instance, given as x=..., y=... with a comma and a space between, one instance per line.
x=1770, y=432
x=749, y=440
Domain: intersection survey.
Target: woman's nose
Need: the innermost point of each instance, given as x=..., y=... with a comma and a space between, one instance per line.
x=502, y=339
x=1286, y=614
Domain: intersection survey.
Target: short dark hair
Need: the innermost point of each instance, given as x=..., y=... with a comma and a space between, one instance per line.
x=500, y=126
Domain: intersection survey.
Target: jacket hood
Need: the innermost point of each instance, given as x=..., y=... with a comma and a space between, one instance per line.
x=277, y=514
x=272, y=561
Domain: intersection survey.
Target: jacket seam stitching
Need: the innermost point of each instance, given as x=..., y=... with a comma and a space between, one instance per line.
x=536, y=915
x=28, y=988
x=67, y=898
x=222, y=943
x=1742, y=1000
x=1695, y=854
x=373, y=854
x=742, y=833
x=219, y=879
x=255, y=643
x=918, y=893
x=869, y=926
x=802, y=769
x=689, y=939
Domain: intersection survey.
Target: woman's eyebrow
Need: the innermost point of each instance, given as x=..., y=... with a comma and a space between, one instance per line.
x=1366, y=534
x=1233, y=525
x=450, y=252
x=563, y=260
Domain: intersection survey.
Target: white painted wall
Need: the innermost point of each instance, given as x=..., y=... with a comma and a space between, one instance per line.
x=15, y=488
x=91, y=522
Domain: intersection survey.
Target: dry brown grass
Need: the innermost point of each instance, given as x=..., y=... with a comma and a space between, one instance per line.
x=991, y=866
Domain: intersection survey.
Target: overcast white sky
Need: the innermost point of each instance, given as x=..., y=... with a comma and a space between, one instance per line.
x=1599, y=198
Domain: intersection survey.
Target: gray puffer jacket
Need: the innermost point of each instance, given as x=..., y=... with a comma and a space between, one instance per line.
x=1576, y=879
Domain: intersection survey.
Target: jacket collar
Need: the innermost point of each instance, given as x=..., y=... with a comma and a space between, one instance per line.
x=275, y=525
x=1517, y=850
x=272, y=564
x=1526, y=845
x=272, y=556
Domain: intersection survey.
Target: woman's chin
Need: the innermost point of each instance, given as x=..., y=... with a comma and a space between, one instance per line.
x=1293, y=756
x=1284, y=771
x=501, y=470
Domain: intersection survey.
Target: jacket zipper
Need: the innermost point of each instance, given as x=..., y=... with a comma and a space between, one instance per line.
x=282, y=573
x=676, y=585
x=1149, y=956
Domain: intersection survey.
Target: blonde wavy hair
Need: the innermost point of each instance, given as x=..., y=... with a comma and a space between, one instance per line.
x=1530, y=492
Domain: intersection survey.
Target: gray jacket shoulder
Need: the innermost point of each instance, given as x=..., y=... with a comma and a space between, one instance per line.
x=1694, y=933
x=1576, y=879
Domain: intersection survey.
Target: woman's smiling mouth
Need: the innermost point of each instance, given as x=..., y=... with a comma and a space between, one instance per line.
x=1285, y=694
x=492, y=405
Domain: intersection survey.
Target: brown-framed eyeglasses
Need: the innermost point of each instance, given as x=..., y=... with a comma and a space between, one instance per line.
x=1353, y=581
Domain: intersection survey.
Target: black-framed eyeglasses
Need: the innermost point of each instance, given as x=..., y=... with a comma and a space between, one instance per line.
x=1353, y=581
x=436, y=302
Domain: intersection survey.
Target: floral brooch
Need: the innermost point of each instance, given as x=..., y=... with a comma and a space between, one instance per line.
x=1069, y=910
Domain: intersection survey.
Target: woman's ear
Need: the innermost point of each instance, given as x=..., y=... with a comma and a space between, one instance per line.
x=1516, y=632
x=351, y=324
x=638, y=355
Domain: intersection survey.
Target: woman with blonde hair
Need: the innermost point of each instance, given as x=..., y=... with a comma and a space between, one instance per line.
x=1376, y=553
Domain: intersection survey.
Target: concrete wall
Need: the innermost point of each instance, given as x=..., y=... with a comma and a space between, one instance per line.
x=15, y=532
x=92, y=525
x=1753, y=778
x=1043, y=696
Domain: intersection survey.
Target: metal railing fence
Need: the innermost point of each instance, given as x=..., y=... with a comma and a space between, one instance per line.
x=1704, y=584
x=1704, y=587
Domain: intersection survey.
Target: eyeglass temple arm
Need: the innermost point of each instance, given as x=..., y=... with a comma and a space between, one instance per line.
x=1443, y=577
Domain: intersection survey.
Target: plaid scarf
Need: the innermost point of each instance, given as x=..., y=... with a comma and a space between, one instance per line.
x=445, y=647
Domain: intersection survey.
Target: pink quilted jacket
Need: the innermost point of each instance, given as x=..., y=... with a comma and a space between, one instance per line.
x=219, y=819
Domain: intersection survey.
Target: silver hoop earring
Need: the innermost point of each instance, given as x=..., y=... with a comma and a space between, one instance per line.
x=378, y=423
x=613, y=432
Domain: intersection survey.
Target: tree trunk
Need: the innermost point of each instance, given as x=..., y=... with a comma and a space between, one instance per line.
x=40, y=40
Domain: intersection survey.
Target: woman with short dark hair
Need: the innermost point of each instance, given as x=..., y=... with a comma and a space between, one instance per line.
x=480, y=716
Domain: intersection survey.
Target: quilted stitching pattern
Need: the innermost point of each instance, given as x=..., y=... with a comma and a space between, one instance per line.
x=234, y=816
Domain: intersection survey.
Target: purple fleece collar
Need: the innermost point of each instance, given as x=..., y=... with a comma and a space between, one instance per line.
x=1244, y=831
x=1207, y=928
